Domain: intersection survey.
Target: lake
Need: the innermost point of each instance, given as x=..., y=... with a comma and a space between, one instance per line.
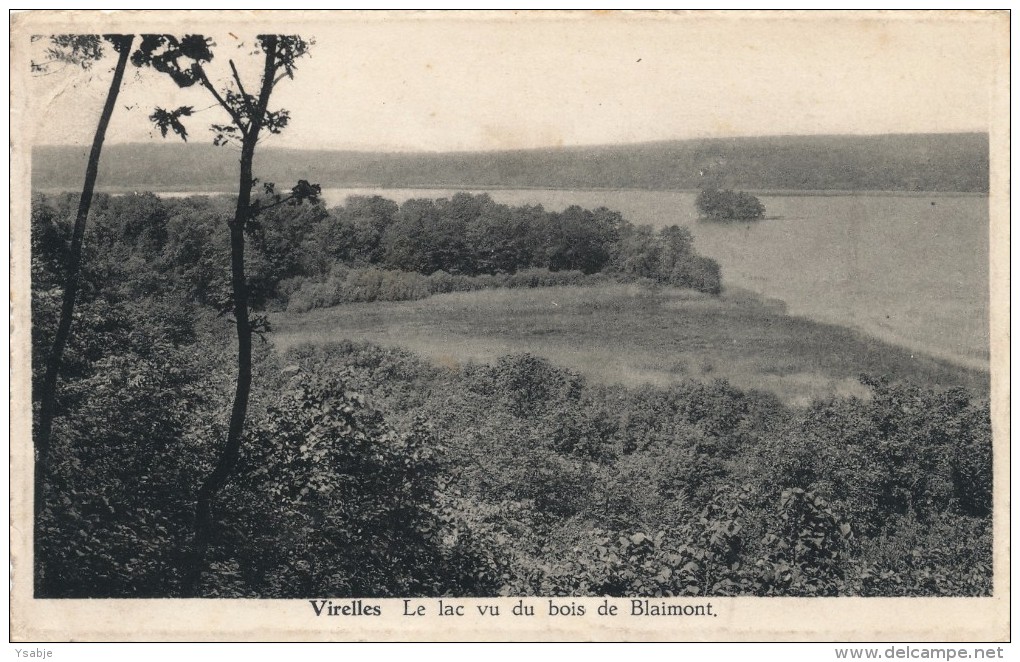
x=896, y=266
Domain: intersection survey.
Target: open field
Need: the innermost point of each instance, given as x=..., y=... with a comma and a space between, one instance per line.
x=632, y=335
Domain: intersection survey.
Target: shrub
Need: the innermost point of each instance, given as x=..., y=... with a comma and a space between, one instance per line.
x=697, y=273
x=330, y=500
x=366, y=284
x=127, y=451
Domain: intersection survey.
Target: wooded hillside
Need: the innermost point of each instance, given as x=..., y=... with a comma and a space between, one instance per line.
x=914, y=162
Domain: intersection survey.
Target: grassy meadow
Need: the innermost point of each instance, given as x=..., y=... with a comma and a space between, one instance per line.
x=632, y=335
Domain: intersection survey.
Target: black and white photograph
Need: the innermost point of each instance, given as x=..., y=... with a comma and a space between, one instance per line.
x=342, y=316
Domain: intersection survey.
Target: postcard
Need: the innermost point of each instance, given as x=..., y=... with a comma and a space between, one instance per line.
x=510, y=326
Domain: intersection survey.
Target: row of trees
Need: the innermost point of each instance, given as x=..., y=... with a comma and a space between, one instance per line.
x=294, y=252
x=473, y=235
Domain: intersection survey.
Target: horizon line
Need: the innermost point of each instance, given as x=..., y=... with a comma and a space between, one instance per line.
x=660, y=141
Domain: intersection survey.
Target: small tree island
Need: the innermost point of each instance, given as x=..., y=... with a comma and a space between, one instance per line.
x=729, y=205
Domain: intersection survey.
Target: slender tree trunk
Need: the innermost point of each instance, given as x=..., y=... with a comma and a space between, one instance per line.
x=235, y=431
x=48, y=396
x=225, y=465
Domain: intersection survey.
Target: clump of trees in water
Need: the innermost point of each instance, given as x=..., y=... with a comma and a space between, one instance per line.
x=727, y=205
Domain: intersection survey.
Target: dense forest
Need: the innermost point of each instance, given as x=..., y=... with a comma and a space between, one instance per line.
x=369, y=471
x=909, y=162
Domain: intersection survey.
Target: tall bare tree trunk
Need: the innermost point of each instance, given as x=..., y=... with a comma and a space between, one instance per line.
x=48, y=397
x=231, y=450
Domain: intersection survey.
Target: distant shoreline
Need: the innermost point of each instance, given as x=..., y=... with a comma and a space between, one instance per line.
x=910, y=164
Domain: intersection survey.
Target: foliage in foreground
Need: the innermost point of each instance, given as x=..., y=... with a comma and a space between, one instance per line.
x=701, y=489
x=371, y=472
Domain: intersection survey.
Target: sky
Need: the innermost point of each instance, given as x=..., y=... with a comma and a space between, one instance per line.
x=410, y=82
